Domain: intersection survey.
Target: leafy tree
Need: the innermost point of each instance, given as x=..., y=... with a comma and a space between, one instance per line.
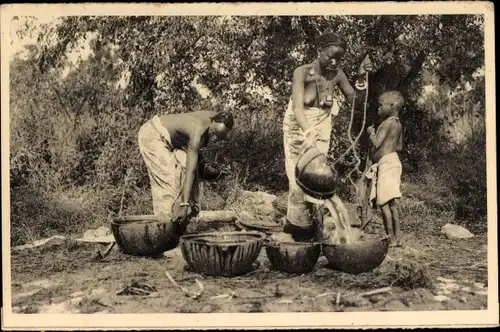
x=235, y=57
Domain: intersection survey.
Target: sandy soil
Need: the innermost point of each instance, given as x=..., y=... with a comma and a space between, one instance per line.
x=64, y=277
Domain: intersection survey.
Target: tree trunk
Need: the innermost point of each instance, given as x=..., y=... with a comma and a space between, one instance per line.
x=388, y=77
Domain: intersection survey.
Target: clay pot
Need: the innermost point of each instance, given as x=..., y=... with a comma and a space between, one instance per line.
x=144, y=235
x=313, y=175
x=209, y=172
x=357, y=257
x=222, y=254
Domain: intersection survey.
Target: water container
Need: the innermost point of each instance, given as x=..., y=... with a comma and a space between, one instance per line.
x=313, y=175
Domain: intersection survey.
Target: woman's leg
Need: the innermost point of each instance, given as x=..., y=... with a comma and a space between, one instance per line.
x=162, y=168
x=298, y=214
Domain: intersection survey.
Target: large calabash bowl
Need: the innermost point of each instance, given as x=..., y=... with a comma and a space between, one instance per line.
x=144, y=235
x=313, y=174
x=357, y=257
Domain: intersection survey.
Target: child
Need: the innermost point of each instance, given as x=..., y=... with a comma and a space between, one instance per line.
x=386, y=171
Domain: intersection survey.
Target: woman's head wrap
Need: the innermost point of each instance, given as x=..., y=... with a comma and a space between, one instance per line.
x=224, y=117
x=329, y=39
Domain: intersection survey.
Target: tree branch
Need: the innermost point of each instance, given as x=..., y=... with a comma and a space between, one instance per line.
x=412, y=74
x=55, y=90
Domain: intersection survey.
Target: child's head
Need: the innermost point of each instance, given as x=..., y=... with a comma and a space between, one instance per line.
x=390, y=103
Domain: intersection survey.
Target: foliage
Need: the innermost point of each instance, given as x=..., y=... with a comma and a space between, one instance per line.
x=74, y=123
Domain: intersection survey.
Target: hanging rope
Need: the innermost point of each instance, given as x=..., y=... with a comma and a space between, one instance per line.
x=354, y=141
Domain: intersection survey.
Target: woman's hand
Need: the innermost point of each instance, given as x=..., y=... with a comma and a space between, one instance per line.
x=365, y=66
x=194, y=211
x=311, y=139
x=180, y=213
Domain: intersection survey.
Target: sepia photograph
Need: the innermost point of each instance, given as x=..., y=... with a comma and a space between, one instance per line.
x=295, y=159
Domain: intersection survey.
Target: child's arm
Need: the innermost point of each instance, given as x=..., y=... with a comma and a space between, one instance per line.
x=378, y=138
x=400, y=141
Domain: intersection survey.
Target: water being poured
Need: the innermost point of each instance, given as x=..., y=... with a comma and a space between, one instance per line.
x=336, y=224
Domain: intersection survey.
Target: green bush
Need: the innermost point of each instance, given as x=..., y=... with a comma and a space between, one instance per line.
x=468, y=181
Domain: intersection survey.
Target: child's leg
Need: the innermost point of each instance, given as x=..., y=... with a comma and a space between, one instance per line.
x=396, y=225
x=387, y=218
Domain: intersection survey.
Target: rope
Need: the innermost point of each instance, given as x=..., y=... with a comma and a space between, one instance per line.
x=354, y=141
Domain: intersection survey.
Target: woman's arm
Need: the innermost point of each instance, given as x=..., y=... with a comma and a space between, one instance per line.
x=191, y=166
x=298, y=97
x=349, y=92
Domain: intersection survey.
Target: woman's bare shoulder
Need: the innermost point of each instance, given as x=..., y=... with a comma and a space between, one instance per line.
x=307, y=68
x=190, y=120
x=340, y=74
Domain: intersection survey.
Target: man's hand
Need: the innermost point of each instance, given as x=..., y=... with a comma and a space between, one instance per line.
x=365, y=66
x=370, y=130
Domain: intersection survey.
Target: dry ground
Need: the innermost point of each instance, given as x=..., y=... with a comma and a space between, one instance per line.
x=64, y=278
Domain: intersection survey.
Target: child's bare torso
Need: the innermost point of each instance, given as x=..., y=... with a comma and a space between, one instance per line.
x=393, y=142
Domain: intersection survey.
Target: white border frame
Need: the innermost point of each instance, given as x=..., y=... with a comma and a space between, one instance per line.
x=489, y=317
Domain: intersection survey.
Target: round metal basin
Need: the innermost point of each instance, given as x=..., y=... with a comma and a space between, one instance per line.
x=221, y=254
x=143, y=235
x=357, y=257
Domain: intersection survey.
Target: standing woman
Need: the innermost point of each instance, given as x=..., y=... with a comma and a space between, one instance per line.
x=308, y=119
